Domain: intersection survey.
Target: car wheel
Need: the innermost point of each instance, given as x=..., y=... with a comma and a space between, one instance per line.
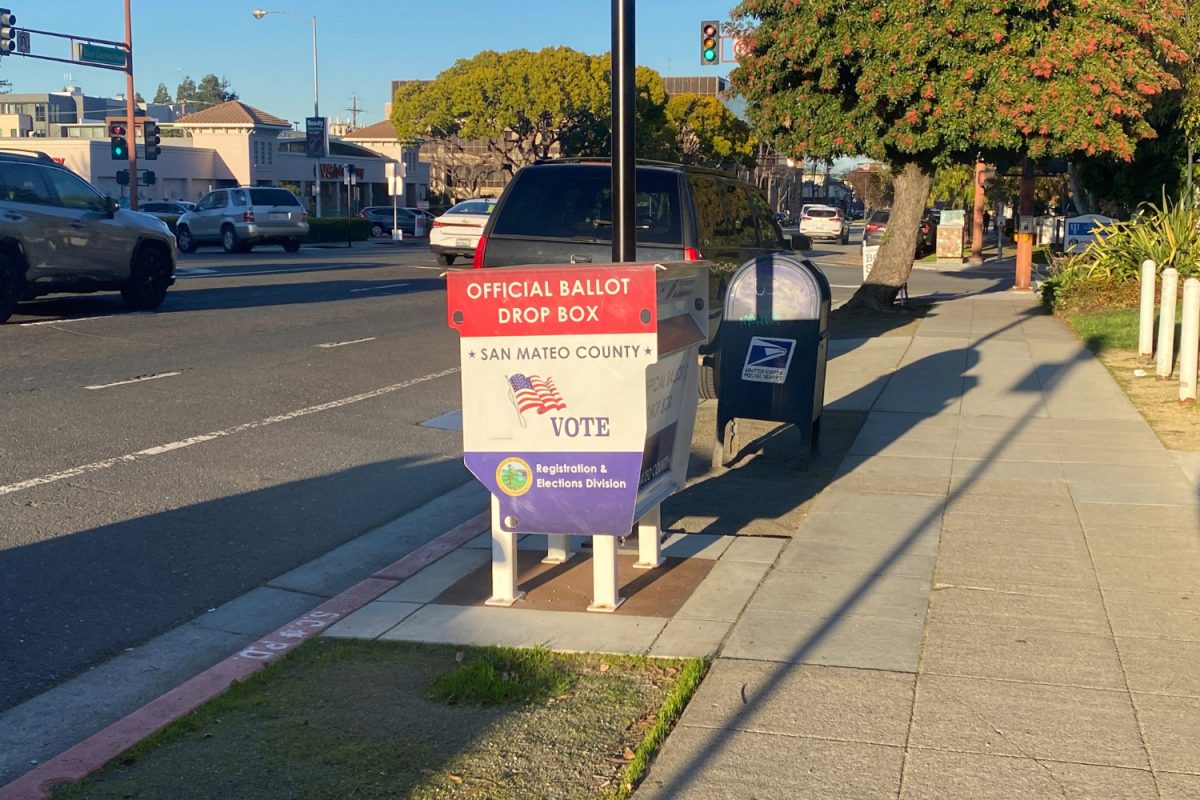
x=710, y=378
x=846, y=237
x=292, y=246
x=377, y=229
x=445, y=260
x=149, y=277
x=10, y=288
x=183, y=238
x=229, y=239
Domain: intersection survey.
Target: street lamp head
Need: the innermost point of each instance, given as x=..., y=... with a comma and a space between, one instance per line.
x=259, y=13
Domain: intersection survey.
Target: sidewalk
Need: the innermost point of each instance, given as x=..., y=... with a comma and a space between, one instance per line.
x=996, y=598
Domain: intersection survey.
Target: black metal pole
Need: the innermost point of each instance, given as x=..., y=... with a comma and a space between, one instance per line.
x=624, y=62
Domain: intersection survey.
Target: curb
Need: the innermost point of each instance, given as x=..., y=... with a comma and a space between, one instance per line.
x=98, y=749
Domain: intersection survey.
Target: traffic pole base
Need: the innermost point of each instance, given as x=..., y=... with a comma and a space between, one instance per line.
x=504, y=602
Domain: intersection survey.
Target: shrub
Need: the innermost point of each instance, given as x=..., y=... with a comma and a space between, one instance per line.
x=334, y=229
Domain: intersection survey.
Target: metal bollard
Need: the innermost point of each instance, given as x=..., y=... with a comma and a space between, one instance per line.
x=1189, y=341
x=1146, y=312
x=1166, y=323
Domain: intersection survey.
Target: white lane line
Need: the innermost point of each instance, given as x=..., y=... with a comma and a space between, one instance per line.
x=379, y=288
x=844, y=285
x=138, y=379
x=343, y=344
x=128, y=458
x=201, y=272
x=60, y=321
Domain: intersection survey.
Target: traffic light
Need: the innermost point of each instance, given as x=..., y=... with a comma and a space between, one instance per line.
x=151, y=138
x=148, y=178
x=710, y=52
x=8, y=31
x=117, y=131
x=122, y=177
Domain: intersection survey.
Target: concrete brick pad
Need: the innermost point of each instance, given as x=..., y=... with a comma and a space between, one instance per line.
x=863, y=642
x=707, y=764
x=1171, y=727
x=1072, y=610
x=800, y=700
x=1059, y=723
x=934, y=775
x=1022, y=654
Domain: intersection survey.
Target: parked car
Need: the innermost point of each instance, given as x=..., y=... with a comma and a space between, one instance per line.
x=380, y=218
x=457, y=232
x=238, y=219
x=876, y=226
x=166, y=209
x=560, y=212
x=825, y=222
x=59, y=234
x=877, y=222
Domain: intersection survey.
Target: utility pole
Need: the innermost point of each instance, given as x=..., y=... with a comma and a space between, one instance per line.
x=353, y=109
x=130, y=107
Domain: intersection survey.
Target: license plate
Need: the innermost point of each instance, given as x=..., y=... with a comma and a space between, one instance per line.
x=277, y=215
x=462, y=242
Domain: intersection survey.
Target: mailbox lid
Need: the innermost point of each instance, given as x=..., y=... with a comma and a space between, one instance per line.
x=777, y=287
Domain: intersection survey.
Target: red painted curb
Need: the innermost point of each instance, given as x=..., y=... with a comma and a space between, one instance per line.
x=101, y=747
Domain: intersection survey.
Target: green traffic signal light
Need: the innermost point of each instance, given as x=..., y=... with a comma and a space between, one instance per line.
x=709, y=33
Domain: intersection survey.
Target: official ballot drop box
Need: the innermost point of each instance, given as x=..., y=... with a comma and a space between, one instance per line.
x=579, y=400
x=773, y=344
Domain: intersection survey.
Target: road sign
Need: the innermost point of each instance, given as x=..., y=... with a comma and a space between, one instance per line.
x=23, y=42
x=98, y=54
x=315, y=141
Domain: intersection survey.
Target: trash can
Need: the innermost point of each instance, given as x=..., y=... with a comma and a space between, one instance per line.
x=773, y=345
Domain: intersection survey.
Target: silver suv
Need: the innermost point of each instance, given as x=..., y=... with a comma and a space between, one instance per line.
x=240, y=218
x=58, y=233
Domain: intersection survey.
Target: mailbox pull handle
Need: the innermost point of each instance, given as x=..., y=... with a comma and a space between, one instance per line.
x=580, y=259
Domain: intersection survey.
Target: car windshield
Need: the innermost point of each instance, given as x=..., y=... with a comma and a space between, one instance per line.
x=473, y=207
x=273, y=197
x=823, y=212
x=575, y=202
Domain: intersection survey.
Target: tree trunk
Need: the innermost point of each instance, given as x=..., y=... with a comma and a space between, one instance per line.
x=977, y=214
x=912, y=184
x=1082, y=206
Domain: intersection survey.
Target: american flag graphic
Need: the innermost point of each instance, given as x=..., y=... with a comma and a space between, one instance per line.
x=533, y=392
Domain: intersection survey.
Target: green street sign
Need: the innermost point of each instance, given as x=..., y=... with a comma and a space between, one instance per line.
x=96, y=54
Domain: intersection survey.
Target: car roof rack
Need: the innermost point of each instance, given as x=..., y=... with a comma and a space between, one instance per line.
x=25, y=152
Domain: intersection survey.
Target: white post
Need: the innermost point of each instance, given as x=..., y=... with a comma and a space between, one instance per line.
x=604, y=575
x=1189, y=340
x=558, y=549
x=649, y=533
x=1146, y=313
x=504, y=563
x=1166, y=323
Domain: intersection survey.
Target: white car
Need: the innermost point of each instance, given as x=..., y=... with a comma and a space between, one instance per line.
x=456, y=233
x=824, y=222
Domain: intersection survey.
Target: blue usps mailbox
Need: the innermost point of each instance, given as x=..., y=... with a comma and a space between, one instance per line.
x=773, y=348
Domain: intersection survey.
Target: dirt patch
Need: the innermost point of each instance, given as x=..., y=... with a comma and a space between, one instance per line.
x=351, y=718
x=1177, y=424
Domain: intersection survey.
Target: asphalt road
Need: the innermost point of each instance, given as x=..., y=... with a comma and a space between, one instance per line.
x=156, y=465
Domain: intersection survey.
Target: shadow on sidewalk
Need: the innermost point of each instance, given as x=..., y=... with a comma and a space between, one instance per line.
x=1043, y=377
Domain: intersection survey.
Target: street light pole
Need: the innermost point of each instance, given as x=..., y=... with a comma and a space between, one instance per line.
x=259, y=13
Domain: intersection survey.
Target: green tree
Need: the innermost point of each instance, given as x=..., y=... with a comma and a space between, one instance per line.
x=705, y=131
x=186, y=90
x=212, y=90
x=921, y=85
x=163, y=95
x=137, y=97
x=525, y=106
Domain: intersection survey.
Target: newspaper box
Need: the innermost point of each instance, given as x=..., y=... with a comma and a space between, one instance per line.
x=579, y=400
x=773, y=348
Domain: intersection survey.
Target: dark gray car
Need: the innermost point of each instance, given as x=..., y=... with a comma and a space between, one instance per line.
x=238, y=219
x=58, y=233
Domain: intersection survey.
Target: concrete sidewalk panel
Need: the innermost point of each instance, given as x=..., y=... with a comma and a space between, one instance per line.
x=923, y=391
x=708, y=764
x=1106, y=454
x=438, y=576
x=827, y=594
x=258, y=611
x=934, y=353
x=690, y=638
x=800, y=700
x=986, y=566
x=695, y=545
x=1171, y=727
x=1022, y=654
x=1161, y=666
x=898, y=506
x=754, y=549
x=1006, y=470
x=917, y=534
x=1127, y=474
x=1021, y=489
x=724, y=593
x=894, y=465
x=514, y=627
x=1039, y=607
x=863, y=555
x=884, y=445
x=852, y=390
x=1174, y=494
x=894, y=483
x=1003, y=718
x=1172, y=786
x=1137, y=516
x=1007, y=451
x=938, y=775
x=898, y=423
x=1179, y=574
x=1165, y=615
x=371, y=621
x=1143, y=541
x=1012, y=394
x=1043, y=508
x=856, y=641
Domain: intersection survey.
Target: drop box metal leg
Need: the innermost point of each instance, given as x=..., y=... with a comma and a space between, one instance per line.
x=649, y=533
x=558, y=549
x=504, y=563
x=604, y=574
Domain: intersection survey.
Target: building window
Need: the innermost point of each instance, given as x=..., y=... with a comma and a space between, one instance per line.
x=39, y=113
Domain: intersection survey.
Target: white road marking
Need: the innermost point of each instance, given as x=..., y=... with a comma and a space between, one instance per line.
x=203, y=272
x=129, y=458
x=379, y=288
x=343, y=344
x=844, y=285
x=61, y=321
x=133, y=380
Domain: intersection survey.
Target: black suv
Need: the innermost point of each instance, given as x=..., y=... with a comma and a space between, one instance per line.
x=560, y=212
x=58, y=233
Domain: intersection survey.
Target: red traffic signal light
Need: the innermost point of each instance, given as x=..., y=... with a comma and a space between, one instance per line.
x=119, y=146
x=710, y=52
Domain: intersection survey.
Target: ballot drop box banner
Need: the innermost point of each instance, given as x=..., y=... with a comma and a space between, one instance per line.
x=555, y=378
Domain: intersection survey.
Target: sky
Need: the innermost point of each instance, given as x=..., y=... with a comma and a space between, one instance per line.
x=362, y=46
